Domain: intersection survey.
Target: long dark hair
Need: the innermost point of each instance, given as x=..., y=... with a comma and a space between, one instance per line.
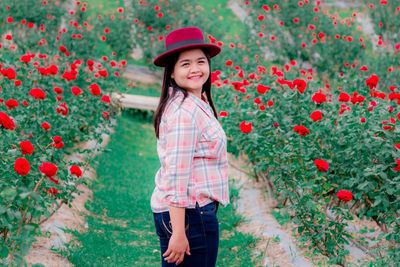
x=168, y=82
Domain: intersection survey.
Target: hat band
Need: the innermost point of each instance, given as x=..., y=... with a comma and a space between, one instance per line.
x=183, y=43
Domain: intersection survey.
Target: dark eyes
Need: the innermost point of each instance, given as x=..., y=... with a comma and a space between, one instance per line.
x=187, y=63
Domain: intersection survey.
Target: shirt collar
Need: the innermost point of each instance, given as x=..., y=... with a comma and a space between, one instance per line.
x=203, y=104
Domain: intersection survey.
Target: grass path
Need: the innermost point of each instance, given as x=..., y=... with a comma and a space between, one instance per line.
x=120, y=225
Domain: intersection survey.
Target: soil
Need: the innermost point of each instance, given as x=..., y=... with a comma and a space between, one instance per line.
x=275, y=242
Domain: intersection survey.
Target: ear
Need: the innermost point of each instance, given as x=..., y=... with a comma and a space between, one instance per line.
x=172, y=75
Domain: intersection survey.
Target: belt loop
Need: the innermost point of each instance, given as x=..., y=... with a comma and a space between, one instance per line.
x=197, y=205
x=217, y=205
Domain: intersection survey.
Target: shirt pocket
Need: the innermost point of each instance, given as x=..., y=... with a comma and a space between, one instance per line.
x=211, y=143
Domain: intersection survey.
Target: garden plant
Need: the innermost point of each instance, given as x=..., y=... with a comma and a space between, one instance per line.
x=55, y=86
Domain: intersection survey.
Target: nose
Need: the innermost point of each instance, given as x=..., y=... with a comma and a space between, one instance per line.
x=194, y=68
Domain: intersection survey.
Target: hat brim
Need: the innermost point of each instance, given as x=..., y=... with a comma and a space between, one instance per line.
x=162, y=59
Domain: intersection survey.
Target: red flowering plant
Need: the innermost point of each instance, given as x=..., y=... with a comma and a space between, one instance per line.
x=31, y=25
x=306, y=31
x=152, y=20
x=53, y=94
x=117, y=26
x=385, y=18
x=314, y=142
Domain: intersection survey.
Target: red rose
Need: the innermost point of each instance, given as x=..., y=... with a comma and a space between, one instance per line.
x=246, y=128
x=58, y=145
x=356, y=98
x=301, y=130
x=6, y=121
x=103, y=73
x=105, y=99
x=62, y=49
x=43, y=71
x=37, y=93
x=316, y=115
x=343, y=97
x=344, y=195
x=57, y=142
x=300, y=84
x=372, y=81
x=76, y=90
x=62, y=109
x=9, y=73
x=76, y=170
x=11, y=104
x=261, y=89
x=58, y=90
x=46, y=126
x=69, y=75
x=26, y=58
x=105, y=115
x=95, y=89
x=22, y=166
x=26, y=147
x=52, y=191
x=57, y=139
x=321, y=165
x=90, y=62
x=223, y=114
x=318, y=98
x=257, y=100
x=53, y=70
x=48, y=169
x=397, y=168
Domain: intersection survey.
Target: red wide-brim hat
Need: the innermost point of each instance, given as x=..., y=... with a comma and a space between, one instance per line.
x=183, y=39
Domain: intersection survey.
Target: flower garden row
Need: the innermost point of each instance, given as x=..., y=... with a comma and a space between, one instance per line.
x=314, y=104
x=55, y=85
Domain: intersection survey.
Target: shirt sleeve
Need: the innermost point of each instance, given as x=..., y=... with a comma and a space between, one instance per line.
x=181, y=138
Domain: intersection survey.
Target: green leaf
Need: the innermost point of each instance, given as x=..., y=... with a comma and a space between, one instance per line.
x=2, y=209
x=24, y=195
x=8, y=194
x=3, y=251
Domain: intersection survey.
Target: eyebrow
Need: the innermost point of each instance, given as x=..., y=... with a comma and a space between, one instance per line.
x=184, y=60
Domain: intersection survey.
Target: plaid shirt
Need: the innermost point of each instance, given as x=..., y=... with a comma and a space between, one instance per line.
x=193, y=155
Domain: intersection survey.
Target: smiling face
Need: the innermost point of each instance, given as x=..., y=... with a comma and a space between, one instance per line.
x=191, y=71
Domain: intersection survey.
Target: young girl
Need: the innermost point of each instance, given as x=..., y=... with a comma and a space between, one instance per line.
x=191, y=145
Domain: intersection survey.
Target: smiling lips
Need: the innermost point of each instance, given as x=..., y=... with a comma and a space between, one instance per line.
x=195, y=78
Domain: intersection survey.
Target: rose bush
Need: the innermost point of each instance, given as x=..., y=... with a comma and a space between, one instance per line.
x=55, y=87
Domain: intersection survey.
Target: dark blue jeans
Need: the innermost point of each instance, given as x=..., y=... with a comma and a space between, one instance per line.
x=202, y=231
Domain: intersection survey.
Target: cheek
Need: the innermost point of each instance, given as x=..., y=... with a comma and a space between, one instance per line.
x=206, y=71
x=179, y=78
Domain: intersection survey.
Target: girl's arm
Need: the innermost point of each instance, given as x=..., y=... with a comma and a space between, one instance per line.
x=178, y=243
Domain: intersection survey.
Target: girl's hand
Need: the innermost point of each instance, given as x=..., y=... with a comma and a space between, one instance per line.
x=177, y=247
